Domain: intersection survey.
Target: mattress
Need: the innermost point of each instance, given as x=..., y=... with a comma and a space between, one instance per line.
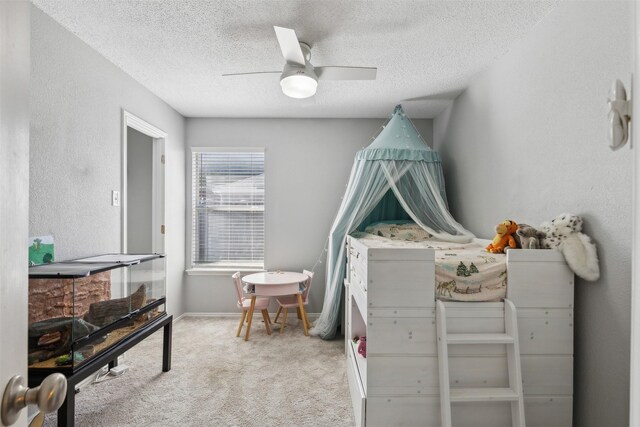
x=464, y=271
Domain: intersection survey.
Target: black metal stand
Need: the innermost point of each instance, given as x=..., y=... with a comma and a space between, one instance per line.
x=109, y=357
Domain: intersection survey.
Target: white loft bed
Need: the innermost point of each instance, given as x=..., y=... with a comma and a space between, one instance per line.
x=390, y=299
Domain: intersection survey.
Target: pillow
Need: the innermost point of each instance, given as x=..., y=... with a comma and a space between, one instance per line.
x=407, y=231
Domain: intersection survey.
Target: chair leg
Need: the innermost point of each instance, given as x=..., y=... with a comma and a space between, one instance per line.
x=277, y=314
x=253, y=306
x=299, y=314
x=244, y=315
x=284, y=320
x=303, y=311
x=265, y=316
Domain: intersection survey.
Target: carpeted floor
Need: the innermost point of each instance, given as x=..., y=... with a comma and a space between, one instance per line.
x=220, y=380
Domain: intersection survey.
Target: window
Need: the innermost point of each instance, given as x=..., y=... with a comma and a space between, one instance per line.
x=228, y=208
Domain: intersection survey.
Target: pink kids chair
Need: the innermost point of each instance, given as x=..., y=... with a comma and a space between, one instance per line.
x=291, y=301
x=262, y=303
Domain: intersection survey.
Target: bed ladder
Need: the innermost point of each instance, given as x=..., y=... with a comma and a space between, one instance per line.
x=512, y=394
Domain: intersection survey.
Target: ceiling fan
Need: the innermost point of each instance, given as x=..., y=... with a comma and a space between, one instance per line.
x=299, y=79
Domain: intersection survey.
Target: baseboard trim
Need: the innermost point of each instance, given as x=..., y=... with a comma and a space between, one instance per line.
x=206, y=314
x=312, y=316
x=175, y=319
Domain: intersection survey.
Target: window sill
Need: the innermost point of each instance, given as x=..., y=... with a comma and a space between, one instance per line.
x=220, y=271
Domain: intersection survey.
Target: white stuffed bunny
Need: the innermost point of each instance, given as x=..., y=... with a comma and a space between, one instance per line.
x=565, y=234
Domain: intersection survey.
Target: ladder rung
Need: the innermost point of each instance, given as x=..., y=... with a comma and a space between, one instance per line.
x=491, y=394
x=479, y=339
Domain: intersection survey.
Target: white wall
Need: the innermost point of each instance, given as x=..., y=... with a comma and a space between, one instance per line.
x=307, y=165
x=77, y=97
x=527, y=141
x=139, y=192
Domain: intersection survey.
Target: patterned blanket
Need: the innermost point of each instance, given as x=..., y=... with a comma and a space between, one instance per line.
x=464, y=271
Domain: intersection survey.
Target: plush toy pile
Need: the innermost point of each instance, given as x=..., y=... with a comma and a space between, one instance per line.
x=563, y=233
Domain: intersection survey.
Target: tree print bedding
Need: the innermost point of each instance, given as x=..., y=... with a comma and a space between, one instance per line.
x=464, y=271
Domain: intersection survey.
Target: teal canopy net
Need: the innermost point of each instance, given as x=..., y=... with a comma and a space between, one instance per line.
x=396, y=177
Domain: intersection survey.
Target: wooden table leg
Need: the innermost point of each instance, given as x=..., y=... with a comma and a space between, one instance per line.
x=265, y=316
x=304, y=315
x=253, y=305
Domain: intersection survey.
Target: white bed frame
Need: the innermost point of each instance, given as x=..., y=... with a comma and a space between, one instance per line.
x=389, y=299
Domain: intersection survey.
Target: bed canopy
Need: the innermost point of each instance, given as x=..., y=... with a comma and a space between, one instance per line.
x=397, y=176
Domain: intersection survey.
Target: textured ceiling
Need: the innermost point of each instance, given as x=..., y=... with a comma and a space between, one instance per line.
x=425, y=51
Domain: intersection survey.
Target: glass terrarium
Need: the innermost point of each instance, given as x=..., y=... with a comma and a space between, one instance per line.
x=79, y=308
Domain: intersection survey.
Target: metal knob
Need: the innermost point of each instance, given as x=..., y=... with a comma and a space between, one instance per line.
x=48, y=396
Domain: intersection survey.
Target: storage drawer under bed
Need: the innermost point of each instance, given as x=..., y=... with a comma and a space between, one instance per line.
x=549, y=411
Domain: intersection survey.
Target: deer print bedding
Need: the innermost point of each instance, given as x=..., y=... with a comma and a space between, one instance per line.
x=464, y=271
x=470, y=274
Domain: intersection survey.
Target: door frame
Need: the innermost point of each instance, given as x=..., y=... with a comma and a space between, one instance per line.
x=130, y=120
x=634, y=371
x=15, y=60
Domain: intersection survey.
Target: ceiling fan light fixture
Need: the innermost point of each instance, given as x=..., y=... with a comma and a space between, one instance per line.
x=299, y=79
x=298, y=82
x=299, y=86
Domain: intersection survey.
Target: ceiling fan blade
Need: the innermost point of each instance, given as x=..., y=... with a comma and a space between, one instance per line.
x=346, y=73
x=253, y=72
x=289, y=45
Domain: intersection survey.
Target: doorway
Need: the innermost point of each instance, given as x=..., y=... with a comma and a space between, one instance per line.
x=143, y=186
x=139, y=192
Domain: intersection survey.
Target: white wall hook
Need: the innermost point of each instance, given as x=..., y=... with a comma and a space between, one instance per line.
x=619, y=115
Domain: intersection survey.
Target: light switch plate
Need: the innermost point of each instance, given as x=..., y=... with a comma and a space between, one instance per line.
x=115, y=198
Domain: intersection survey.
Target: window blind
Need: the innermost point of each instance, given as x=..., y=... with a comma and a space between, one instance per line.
x=228, y=209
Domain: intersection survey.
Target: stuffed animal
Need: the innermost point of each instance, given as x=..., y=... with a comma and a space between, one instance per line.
x=504, y=237
x=528, y=237
x=565, y=234
x=362, y=346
